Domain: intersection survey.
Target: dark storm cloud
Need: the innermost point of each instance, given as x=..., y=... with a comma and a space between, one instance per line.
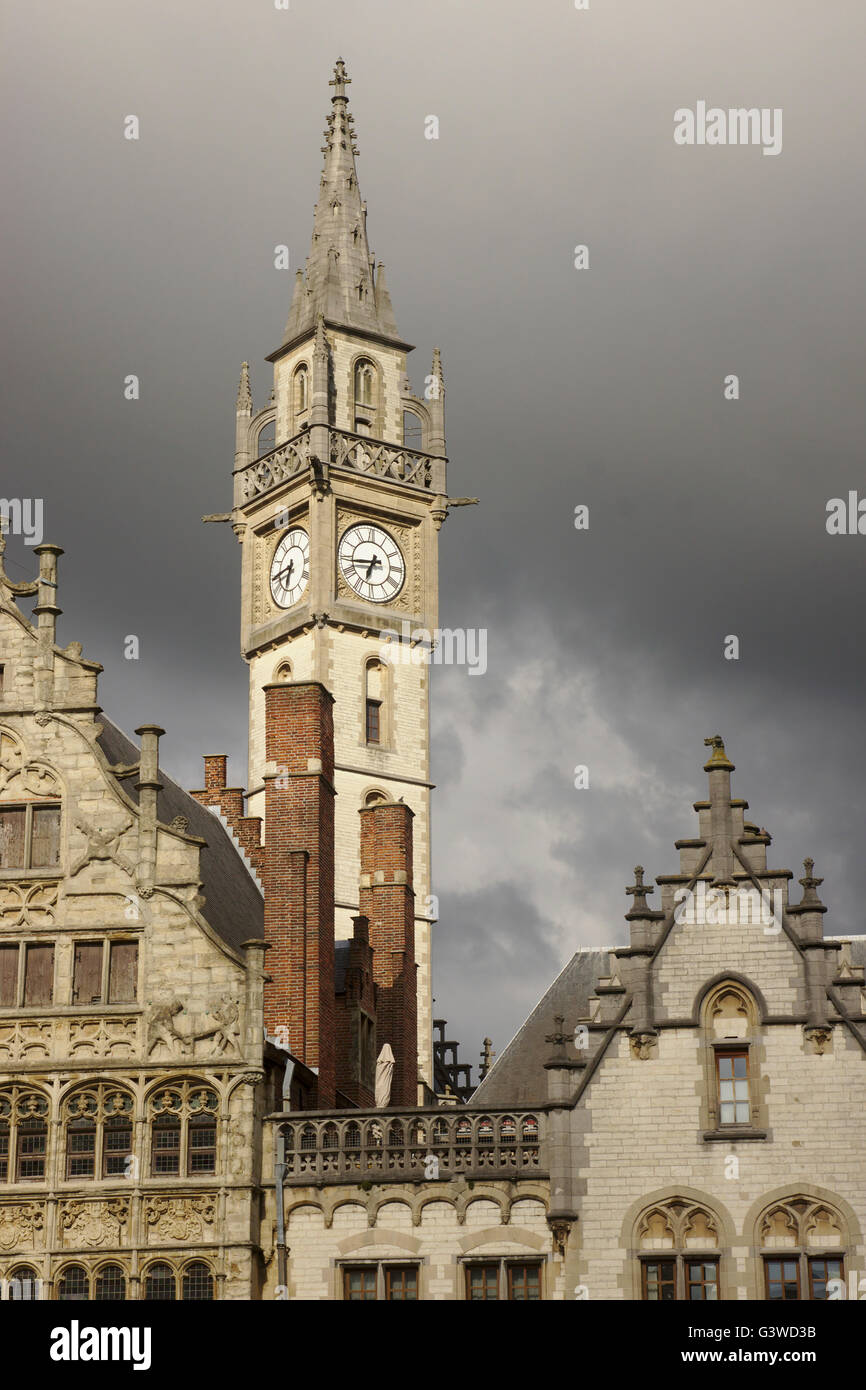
x=601, y=387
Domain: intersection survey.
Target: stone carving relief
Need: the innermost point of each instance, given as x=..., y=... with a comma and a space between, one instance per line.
x=178, y=1218
x=102, y=845
x=103, y=1037
x=20, y=1223
x=27, y=904
x=94, y=1223
x=173, y=1031
x=23, y=776
x=24, y=1042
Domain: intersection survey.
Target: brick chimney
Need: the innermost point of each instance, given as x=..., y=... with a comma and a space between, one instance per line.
x=298, y=874
x=388, y=900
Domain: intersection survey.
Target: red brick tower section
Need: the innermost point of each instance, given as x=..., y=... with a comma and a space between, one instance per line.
x=230, y=801
x=388, y=900
x=299, y=874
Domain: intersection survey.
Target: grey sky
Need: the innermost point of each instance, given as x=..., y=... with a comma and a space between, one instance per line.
x=601, y=387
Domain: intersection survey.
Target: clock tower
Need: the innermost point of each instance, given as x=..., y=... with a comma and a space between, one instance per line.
x=339, y=494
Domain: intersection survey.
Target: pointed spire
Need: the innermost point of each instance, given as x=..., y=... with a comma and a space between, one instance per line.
x=338, y=281
x=384, y=307
x=245, y=395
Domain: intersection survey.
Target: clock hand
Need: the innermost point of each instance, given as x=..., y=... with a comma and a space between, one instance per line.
x=287, y=570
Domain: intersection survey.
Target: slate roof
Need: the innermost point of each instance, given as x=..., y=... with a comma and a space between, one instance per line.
x=517, y=1077
x=233, y=906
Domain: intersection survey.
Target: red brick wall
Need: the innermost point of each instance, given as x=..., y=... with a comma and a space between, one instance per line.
x=359, y=997
x=388, y=900
x=298, y=873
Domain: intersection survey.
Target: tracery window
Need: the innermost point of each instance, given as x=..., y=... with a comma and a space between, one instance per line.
x=22, y=1282
x=183, y=1129
x=73, y=1284
x=160, y=1285
x=679, y=1259
x=110, y=1284
x=23, y=1135
x=803, y=1244
x=197, y=1282
x=98, y=1129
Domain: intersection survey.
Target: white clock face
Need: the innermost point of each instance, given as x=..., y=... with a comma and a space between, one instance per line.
x=290, y=568
x=371, y=563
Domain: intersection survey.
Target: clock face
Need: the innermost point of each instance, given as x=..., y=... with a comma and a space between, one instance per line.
x=371, y=563
x=290, y=568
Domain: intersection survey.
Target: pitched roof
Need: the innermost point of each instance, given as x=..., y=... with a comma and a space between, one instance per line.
x=518, y=1077
x=233, y=905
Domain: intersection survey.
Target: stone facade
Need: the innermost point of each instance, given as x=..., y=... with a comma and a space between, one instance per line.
x=131, y=972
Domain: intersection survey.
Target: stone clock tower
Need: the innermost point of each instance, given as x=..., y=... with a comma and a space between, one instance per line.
x=339, y=494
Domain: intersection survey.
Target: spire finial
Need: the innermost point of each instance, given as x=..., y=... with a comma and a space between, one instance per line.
x=638, y=891
x=339, y=81
x=809, y=882
x=245, y=396
x=487, y=1054
x=718, y=758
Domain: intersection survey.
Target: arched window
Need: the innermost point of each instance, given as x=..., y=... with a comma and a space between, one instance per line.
x=283, y=671
x=365, y=396
x=266, y=438
x=300, y=395
x=73, y=1284
x=803, y=1244
x=22, y=1283
x=197, y=1282
x=23, y=1135
x=110, y=1284
x=731, y=1047
x=183, y=1129
x=678, y=1251
x=98, y=1127
x=413, y=430
x=377, y=704
x=160, y=1285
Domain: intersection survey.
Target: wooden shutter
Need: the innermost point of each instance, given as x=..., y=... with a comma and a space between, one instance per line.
x=39, y=975
x=123, y=972
x=45, y=840
x=12, y=838
x=87, y=986
x=8, y=976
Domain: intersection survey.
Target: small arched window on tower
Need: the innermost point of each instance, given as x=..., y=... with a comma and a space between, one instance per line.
x=413, y=431
x=376, y=712
x=301, y=396
x=266, y=438
x=365, y=396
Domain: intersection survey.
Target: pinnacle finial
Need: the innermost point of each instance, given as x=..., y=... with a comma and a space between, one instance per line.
x=339, y=81
x=639, y=891
x=245, y=396
x=718, y=758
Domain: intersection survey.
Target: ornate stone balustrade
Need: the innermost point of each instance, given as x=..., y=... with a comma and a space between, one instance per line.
x=357, y=452
x=392, y=461
x=282, y=462
x=354, y=1146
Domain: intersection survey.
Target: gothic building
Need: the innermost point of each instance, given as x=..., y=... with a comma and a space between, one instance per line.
x=218, y=1073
